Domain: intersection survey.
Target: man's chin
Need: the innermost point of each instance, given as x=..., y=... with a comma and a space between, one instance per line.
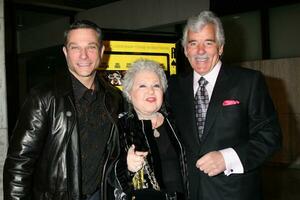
x=83, y=74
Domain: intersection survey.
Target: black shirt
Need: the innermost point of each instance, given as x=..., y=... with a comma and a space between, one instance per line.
x=93, y=127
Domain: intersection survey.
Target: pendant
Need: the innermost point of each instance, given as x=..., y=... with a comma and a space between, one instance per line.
x=156, y=133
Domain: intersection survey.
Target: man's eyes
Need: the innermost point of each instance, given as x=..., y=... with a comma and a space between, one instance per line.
x=206, y=43
x=192, y=44
x=89, y=48
x=93, y=47
x=74, y=47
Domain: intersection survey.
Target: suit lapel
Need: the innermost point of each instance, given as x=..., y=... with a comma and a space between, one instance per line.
x=221, y=88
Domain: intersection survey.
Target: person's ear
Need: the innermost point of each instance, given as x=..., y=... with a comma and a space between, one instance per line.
x=102, y=51
x=65, y=51
x=129, y=97
x=221, y=50
x=185, y=51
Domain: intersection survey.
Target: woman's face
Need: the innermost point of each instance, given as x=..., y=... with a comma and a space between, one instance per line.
x=146, y=93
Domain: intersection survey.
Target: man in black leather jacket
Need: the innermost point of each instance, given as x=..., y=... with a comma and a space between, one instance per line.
x=65, y=139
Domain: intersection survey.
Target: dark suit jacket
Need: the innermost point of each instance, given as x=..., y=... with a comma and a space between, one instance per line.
x=250, y=127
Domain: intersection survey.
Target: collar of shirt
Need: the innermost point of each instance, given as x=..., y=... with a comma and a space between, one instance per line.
x=79, y=89
x=211, y=77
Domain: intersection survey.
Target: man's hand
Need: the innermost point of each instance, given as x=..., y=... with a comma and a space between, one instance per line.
x=211, y=163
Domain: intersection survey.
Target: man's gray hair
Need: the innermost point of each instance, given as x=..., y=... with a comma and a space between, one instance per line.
x=196, y=23
x=138, y=66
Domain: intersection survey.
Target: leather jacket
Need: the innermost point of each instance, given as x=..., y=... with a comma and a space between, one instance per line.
x=43, y=159
x=130, y=127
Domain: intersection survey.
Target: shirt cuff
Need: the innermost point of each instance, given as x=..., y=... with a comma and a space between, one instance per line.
x=232, y=162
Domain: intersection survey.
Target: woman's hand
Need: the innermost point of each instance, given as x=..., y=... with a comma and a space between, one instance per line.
x=135, y=159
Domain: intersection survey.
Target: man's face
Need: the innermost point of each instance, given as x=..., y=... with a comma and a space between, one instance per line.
x=202, y=49
x=83, y=53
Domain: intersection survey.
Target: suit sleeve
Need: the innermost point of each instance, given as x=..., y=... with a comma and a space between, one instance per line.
x=24, y=149
x=264, y=136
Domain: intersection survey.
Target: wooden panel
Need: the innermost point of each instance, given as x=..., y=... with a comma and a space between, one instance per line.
x=281, y=76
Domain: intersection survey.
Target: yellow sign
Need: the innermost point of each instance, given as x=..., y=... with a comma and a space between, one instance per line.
x=119, y=55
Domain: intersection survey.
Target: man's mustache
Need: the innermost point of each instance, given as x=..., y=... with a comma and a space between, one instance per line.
x=201, y=57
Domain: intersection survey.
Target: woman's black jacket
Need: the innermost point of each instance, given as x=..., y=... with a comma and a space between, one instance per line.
x=129, y=125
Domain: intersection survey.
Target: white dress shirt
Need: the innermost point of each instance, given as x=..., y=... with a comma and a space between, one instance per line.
x=232, y=160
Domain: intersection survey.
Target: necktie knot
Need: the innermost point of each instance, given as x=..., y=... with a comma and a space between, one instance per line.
x=202, y=82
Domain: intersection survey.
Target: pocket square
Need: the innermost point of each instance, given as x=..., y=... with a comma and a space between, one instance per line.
x=230, y=102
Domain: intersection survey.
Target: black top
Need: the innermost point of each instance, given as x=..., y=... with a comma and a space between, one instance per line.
x=169, y=159
x=94, y=126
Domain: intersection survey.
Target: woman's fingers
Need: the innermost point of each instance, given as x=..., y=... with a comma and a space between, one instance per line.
x=135, y=159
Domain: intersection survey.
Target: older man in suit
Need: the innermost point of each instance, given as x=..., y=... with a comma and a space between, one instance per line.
x=228, y=123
